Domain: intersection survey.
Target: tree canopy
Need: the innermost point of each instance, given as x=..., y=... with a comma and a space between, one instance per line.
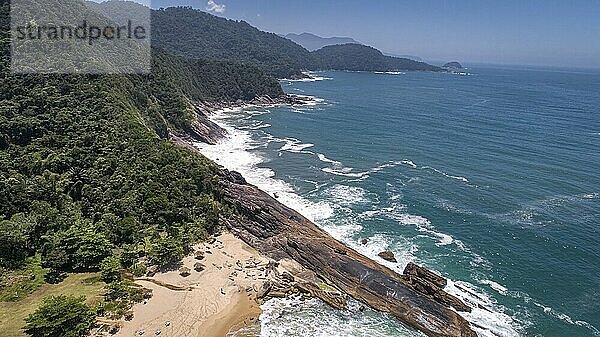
x=356, y=57
x=61, y=316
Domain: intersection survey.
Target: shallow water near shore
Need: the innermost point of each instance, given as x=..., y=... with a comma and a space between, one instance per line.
x=489, y=179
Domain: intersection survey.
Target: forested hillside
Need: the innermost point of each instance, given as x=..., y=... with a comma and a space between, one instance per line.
x=356, y=57
x=193, y=33
x=314, y=42
x=196, y=34
x=88, y=178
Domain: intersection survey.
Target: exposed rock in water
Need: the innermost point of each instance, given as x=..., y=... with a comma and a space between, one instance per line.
x=426, y=274
x=388, y=256
x=364, y=241
x=333, y=298
x=281, y=233
x=207, y=131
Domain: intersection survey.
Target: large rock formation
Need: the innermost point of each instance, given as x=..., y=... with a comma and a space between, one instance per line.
x=279, y=232
x=453, y=65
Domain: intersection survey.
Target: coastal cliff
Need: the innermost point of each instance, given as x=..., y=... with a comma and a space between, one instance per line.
x=279, y=233
x=416, y=297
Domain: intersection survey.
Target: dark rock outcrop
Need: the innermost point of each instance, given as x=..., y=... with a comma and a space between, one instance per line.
x=206, y=131
x=388, y=256
x=424, y=273
x=264, y=290
x=281, y=233
x=430, y=284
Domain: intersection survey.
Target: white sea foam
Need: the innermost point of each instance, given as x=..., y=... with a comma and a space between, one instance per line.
x=346, y=195
x=496, y=286
x=235, y=153
x=395, y=197
x=340, y=170
x=345, y=172
x=488, y=317
x=295, y=317
x=409, y=163
x=390, y=72
x=566, y=318
x=424, y=225
x=258, y=126
x=463, y=179
x=281, y=316
x=313, y=77
x=327, y=160
x=294, y=145
x=527, y=299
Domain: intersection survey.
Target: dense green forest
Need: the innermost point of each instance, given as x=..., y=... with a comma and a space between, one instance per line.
x=89, y=180
x=356, y=57
x=193, y=33
x=196, y=34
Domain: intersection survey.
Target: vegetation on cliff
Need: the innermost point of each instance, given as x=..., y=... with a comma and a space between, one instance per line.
x=196, y=34
x=89, y=179
x=356, y=57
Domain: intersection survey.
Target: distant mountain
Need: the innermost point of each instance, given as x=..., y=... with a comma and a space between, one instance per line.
x=313, y=42
x=191, y=33
x=356, y=57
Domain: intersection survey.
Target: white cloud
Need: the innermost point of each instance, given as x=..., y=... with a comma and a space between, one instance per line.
x=212, y=6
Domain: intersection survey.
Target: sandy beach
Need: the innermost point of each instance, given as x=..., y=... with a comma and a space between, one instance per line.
x=210, y=303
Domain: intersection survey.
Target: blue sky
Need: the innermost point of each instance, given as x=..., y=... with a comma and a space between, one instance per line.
x=527, y=32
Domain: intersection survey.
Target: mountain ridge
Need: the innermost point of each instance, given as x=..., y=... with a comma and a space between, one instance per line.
x=216, y=38
x=356, y=57
x=313, y=42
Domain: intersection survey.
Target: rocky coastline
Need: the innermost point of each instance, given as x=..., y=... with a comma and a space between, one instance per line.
x=315, y=263
x=206, y=131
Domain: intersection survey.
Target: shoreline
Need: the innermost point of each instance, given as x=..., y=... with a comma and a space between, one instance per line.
x=204, y=130
x=281, y=233
x=215, y=299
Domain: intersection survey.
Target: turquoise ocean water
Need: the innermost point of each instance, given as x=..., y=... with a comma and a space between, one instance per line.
x=490, y=178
